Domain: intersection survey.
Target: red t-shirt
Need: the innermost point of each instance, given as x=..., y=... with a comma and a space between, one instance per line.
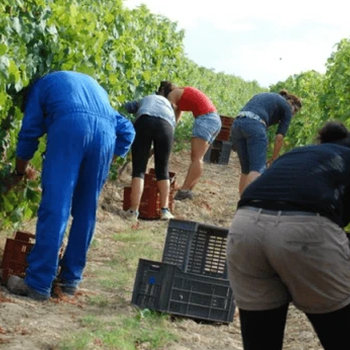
x=195, y=101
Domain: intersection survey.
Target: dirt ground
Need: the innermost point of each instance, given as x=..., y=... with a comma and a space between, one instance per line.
x=28, y=325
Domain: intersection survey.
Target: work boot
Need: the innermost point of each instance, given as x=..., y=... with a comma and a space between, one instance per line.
x=16, y=285
x=60, y=286
x=183, y=194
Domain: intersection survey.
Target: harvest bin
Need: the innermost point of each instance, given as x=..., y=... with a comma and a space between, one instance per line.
x=226, y=121
x=165, y=288
x=196, y=248
x=219, y=152
x=150, y=199
x=224, y=134
x=14, y=260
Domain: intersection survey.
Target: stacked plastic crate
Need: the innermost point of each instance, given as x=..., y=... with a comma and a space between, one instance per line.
x=150, y=200
x=191, y=280
x=220, y=150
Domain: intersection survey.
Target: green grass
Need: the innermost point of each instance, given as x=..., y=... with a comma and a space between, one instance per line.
x=122, y=332
x=110, y=323
x=118, y=273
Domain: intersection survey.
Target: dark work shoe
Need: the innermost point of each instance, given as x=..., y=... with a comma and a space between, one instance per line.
x=16, y=285
x=59, y=286
x=183, y=194
x=68, y=290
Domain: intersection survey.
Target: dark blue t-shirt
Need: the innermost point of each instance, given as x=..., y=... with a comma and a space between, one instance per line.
x=314, y=178
x=272, y=108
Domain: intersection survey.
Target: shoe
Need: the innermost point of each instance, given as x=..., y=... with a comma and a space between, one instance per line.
x=16, y=285
x=166, y=215
x=131, y=215
x=60, y=286
x=183, y=194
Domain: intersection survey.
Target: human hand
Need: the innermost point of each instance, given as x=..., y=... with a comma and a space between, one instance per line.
x=12, y=179
x=269, y=162
x=31, y=173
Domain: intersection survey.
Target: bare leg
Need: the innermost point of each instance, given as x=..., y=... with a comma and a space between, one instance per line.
x=198, y=149
x=136, y=192
x=242, y=181
x=249, y=179
x=164, y=187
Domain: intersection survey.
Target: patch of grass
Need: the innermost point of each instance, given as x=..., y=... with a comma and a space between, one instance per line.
x=122, y=333
x=119, y=272
x=117, y=277
x=110, y=328
x=94, y=244
x=100, y=301
x=145, y=243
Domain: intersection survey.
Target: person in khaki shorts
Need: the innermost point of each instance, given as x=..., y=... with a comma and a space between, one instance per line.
x=287, y=244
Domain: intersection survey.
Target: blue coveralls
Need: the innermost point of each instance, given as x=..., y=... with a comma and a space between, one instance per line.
x=83, y=133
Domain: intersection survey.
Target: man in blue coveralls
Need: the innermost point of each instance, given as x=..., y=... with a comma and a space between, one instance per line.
x=83, y=133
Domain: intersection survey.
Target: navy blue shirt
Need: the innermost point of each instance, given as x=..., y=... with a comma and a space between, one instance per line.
x=272, y=108
x=313, y=178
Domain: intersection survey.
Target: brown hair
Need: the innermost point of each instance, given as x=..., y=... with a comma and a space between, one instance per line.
x=292, y=99
x=165, y=88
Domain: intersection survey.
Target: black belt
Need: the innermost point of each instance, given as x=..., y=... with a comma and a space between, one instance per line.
x=280, y=212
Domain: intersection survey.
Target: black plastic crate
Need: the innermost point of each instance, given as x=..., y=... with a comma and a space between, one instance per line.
x=163, y=287
x=219, y=152
x=196, y=248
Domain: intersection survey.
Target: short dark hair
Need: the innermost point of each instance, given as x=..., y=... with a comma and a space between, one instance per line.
x=334, y=132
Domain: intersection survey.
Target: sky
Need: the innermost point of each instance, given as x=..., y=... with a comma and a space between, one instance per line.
x=262, y=40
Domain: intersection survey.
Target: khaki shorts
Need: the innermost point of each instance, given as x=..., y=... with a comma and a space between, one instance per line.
x=276, y=259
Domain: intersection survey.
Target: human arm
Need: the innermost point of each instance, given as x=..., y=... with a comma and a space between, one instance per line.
x=178, y=114
x=125, y=134
x=33, y=125
x=276, y=149
x=284, y=122
x=131, y=106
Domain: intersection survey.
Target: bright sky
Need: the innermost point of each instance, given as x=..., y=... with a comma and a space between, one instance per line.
x=262, y=40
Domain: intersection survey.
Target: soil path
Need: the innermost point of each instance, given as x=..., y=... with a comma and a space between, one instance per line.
x=27, y=325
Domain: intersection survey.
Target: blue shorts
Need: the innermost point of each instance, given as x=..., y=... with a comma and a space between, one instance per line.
x=249, y=140
x=207, y=127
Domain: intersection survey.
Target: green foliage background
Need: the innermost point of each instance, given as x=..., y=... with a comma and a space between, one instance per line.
x=129, y=52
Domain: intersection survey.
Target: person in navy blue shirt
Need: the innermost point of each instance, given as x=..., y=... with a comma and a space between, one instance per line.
x=249, y=131
x=83, y=133
x=287, y=244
